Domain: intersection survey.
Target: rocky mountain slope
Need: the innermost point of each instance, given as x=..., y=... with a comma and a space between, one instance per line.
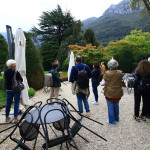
x=117, y=22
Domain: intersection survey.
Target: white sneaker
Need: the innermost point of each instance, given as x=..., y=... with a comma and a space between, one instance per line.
x=93, y=100
x=109, y=123
x=95, y=103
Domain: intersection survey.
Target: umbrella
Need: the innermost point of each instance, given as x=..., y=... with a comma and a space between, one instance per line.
x=71, y=63
x=20, y=44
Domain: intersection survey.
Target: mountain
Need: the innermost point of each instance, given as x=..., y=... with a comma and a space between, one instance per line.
x=88, y=21
x=117, y=22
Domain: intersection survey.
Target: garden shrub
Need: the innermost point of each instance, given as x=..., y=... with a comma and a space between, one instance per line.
x=126, y=62
x=3, y=53
x=2, y=98
x=31, y=92
x=35, y=72
x=90, y=54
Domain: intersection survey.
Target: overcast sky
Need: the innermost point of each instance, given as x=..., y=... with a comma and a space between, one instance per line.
x=25, y=13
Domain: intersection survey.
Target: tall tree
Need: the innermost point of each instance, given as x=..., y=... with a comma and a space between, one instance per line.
x=3, y=52
x=90, y=37
x=53, y=25
x=52, y=31
x=136, y=4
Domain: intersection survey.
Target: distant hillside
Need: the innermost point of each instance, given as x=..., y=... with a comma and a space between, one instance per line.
x=88, y=21
x=117, y=22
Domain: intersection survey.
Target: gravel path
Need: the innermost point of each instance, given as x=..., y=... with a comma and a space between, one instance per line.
x=125, y=135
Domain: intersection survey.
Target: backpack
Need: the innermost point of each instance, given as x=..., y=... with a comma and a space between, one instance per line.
x=49, y=80
x=100, y=77
x=83, y=80
x=17, y=85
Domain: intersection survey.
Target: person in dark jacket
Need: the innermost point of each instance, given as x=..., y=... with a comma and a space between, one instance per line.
x=80, y=93
x=56, y=81
x=142, y=90
x=95, y=83
x=9, y=73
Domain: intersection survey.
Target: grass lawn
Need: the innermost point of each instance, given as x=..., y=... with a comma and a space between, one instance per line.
x=1, y=77
x=2, y=97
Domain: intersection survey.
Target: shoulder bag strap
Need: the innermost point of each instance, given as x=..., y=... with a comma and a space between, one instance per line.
x=110, y=79
x=15, y=74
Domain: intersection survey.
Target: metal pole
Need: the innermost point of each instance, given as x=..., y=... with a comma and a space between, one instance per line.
x=8, y=29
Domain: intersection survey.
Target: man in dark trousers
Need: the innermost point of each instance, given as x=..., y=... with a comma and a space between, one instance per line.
x=81, y=91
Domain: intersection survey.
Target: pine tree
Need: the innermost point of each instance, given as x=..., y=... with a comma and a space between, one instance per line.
x=35, y=72
x=3, y=52
x=52, y=31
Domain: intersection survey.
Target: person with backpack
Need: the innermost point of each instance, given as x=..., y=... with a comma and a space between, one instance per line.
x=142, y=90
x=10, y=93
x=95, y=81
x=56, y=81
x=80, y=75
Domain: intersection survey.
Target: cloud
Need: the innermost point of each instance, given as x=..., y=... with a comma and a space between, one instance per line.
x=25, y=14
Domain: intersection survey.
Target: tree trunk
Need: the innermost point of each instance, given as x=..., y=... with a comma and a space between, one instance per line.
x=147, y=5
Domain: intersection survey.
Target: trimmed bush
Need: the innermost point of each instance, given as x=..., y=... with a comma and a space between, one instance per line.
x=35, y=72
x=3, y=52
x=31, y=92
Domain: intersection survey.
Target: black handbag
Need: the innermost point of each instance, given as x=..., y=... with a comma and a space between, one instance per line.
x=17, y=85
x=146, y=84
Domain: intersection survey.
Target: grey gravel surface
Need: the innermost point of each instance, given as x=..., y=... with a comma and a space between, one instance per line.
x=125, y=135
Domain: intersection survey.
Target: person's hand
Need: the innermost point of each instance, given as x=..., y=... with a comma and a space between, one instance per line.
x=60, y=72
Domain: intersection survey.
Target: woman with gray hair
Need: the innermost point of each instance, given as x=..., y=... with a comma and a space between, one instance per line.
x=9, y=73
x=113, y=91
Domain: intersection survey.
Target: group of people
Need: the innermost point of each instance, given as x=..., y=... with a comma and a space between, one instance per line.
x=112, y=87
x=79, y=77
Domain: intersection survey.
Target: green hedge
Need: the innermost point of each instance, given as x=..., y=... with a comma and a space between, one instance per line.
x=2, y=98
x=2, y=83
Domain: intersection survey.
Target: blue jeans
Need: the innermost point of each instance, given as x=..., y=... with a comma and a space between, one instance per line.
x=113, y=111
x=10, y=95
x=82, y=97
x=95, y=91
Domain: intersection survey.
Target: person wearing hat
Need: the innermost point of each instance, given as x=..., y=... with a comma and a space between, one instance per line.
x=113, y=91
x=9, y=73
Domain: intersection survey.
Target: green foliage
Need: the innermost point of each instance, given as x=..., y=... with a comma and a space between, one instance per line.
x=2, y=98
x=90, y=37
x=126, y=62
x=90, y=55
x=132, y=49
x=3, y=53
x=2, y=83
x=49, y=53
x=75, y=37
x=65, y=64
x=137, y=4
x=114, y=27
x=142, y=56
x=31, y=92
x=35, y=73
x=54, y=27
